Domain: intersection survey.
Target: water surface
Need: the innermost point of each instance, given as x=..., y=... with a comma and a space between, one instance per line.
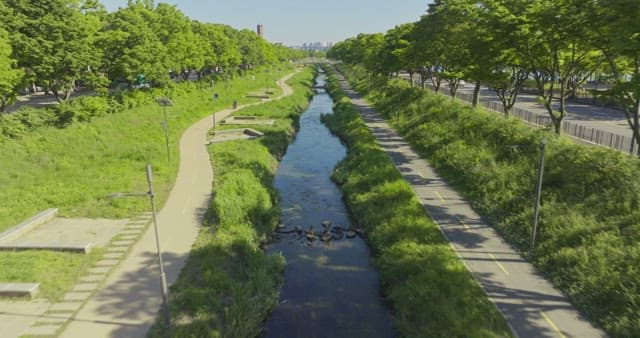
x=330, y=288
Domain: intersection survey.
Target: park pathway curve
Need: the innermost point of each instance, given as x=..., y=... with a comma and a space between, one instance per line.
x=530, y=303
x=129, y=299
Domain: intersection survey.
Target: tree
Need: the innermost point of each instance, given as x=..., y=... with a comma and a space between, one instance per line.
x=393, y=56
x=559, y=49
x=10, y=76
x=185, y=49
x=221, y=52
x=508, y=40
x=53, y=39
x=430, y=45
x=131, y=47
x=616, y=28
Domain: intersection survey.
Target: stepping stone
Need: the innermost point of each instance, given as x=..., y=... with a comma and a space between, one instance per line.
x=50, y=321
x=43, y=330
x=128, y=238
x=107, y=262
x=77, y=295
x=100, y=270
x=59, y=315
x=137, y=223
x=93, y=278
x=118, y=249
x=85, y=287
x=65, y=306
x=121, y=243
x=113, y=255
x=135, y=226
x=130, y=232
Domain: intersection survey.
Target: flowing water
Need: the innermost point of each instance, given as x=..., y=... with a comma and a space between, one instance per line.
x=330, y=287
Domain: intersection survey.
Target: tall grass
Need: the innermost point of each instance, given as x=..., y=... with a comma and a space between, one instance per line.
x=589, y=230
x=429, y=289
x=229, y=284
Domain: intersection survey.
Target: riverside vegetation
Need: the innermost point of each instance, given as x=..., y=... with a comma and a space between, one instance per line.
x=427, y=286
x=589, y=230
x=73, y=155
x=229, y=284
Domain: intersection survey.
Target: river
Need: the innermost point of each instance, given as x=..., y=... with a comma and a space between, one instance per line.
x=330, y=287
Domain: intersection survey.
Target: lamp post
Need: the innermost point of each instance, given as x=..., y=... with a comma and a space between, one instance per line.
x=213, y=115
x=266, y=81
x=164, y=103
x=163, y=278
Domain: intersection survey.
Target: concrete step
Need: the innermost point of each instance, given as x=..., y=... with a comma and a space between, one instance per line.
x=20, y=229
x=18, y=289
x=84, y=248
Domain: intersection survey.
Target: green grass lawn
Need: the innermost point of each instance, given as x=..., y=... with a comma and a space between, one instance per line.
x=229, y=284
x=76, y=167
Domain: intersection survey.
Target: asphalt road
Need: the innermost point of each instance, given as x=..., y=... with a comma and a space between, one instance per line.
x=577, y=113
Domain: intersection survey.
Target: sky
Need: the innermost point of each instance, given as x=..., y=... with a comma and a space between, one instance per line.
x=294, y=22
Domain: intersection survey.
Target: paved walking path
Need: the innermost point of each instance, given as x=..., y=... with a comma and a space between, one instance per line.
x=531, y=305
x=129, y=299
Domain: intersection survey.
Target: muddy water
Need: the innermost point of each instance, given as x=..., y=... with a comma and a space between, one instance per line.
x=330, y=288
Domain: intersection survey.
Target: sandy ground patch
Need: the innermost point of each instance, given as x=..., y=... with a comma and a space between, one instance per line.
x=73, y=231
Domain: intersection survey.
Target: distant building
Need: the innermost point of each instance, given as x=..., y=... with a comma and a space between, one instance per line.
x=315, y=46
x=261, y=31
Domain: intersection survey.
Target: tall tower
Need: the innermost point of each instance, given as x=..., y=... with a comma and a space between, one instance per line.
x=261, y=31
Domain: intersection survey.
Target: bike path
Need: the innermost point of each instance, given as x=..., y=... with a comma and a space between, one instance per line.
x=130, y=298
x=530, y=303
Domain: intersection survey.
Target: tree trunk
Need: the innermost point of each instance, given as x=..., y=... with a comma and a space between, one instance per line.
x=476, y=94
x=506, y=109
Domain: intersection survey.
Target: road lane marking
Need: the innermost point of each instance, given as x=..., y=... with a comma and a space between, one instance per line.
x=463, y=223
x=499, y=265
x=439, y=196
x=552, y=324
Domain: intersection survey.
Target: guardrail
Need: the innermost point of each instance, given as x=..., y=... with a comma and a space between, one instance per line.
x=588, y=134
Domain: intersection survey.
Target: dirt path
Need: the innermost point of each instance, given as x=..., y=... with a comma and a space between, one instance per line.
x=530, y=303
x=129, y=299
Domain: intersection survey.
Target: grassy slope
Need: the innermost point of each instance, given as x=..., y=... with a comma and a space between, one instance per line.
x=76, y=167
x=589, y=230
x=229, y=284
x=429, y=289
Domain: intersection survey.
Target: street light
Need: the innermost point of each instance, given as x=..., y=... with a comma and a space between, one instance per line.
x=165, y=102
x=163, y=277
x=266, y=81
x=215, y=99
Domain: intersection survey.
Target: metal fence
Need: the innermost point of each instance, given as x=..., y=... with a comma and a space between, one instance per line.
x=581, y=132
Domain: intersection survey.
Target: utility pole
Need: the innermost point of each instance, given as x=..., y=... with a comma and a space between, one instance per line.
x=163, y=277
x=538, y=193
